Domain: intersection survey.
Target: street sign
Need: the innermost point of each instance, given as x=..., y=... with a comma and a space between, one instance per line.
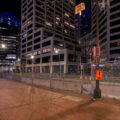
x=99, y=74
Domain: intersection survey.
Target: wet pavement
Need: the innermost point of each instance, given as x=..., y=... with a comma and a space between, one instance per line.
x=19, y=101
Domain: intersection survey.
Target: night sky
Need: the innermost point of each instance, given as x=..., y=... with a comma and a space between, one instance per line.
x=14, y=6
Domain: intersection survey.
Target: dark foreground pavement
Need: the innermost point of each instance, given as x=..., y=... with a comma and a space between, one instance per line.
x=19, y=101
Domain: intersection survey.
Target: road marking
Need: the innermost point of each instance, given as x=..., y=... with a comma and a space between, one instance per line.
x=72, y=98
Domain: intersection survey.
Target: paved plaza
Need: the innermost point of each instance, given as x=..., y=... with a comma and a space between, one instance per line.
x=19, y=101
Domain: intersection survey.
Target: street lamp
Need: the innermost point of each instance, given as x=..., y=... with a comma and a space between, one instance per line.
x=18, y=59
x=97, y=91
x=3, y=46
x=32, y=57
x=32, y=88
x=57, y=52
x=19, y=64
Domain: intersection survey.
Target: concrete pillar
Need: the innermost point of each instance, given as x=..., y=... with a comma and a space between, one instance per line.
x=51, y=69
x=40, y=69
x=65, y=69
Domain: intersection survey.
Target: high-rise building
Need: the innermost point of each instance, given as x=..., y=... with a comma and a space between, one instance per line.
x=108, y=12
x=83, y=22
x=48, y=26
x=10, y=38
x=83, y=27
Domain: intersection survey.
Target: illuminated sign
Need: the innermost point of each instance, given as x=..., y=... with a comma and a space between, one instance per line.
x=99, y=74
x=79, y=8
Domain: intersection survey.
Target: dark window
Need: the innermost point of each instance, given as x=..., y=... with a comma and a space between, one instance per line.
x=40, y=9
x=57, y=58
x=29, y=38
x=69, y=46
x=37, y=40
x=30, y=31
x=117, y=22
x=37, y=34
x=29, y=10
x=23, y=51
x=116, y=15
x=115, y=8
x=23, y=46
x=70, y=57
x=103, y=41
x=115, y=51
x=115, y=30
x=46, y=43
x=115, y=37
x=37, y=61
x=30, y=15
x=30, y=26
x=46, y=59
x=29, y=49
x=36, y=47
x=77, y=49
x=29, y=43
x=30, y=4
x=24, y=40
x=114, y=2
x=29, y=61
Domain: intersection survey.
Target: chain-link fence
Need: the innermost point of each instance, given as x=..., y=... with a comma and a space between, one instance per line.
x=81, y=81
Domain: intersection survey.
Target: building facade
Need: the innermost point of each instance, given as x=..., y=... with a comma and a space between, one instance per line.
x=48, y=26
x=9, y=36
x=109, y=28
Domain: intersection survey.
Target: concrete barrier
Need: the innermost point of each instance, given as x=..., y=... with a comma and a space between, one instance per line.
x=66, y=85
x=108, y=89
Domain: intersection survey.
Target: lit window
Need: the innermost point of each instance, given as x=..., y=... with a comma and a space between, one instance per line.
x=48, y=24
x=58, y=18
x=67, y=15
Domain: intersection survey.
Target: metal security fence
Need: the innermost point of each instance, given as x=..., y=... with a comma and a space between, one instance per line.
x=84, y=80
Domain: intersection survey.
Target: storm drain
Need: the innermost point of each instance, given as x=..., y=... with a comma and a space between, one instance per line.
x=72, y=98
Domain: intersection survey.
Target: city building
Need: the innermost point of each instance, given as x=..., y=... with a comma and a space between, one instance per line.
x=108, y=14
x=48, y=34
x=83, y=28
x=9, y=41
x=85, y=42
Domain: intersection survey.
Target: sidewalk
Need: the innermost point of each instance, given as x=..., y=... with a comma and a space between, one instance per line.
x=19, y=101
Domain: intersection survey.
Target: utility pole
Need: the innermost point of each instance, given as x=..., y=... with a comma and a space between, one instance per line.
x=97, y=91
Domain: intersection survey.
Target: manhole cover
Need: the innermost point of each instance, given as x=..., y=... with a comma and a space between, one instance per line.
x=72, y=98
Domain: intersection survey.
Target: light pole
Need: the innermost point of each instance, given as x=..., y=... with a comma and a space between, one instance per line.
x=32, y=58
x=19, y=61
x=97, y=91
x=57, y=52
x=32, y=89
